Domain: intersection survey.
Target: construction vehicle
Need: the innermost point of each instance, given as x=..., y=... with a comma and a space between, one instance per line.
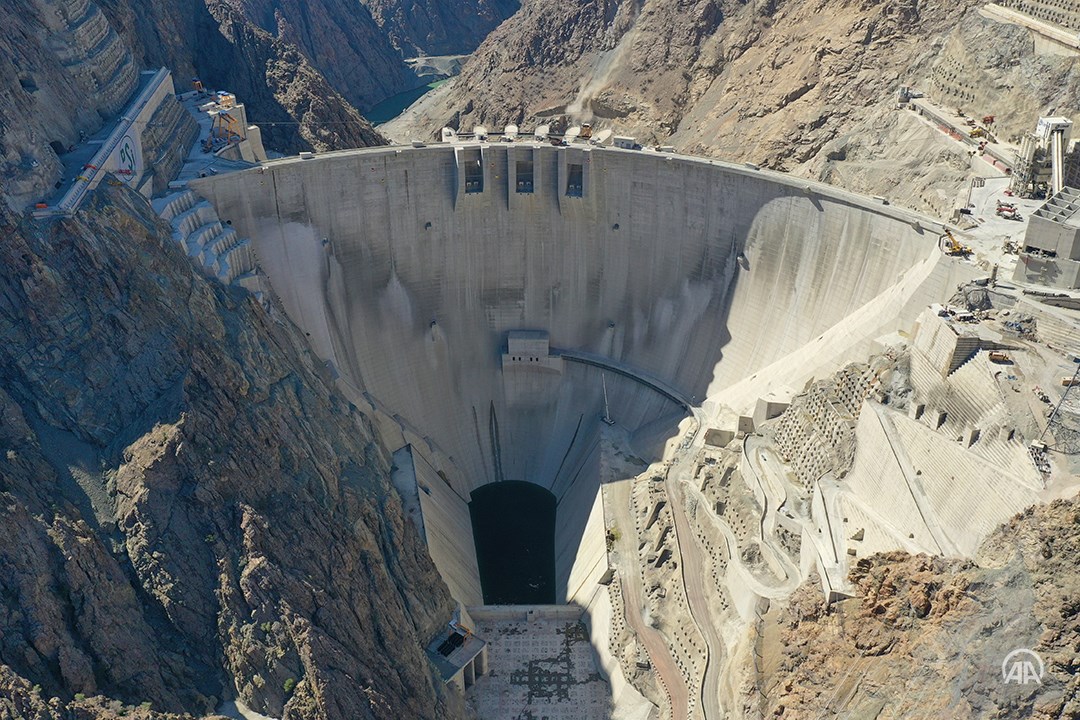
x=988, y=120
x=586, y=131
x=953, y=246
x=225, y=128
x=1070, y=381
x=996, y=356
x=977, y=133
x=1009, y=213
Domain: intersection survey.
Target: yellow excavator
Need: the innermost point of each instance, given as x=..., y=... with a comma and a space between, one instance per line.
x=953, y=247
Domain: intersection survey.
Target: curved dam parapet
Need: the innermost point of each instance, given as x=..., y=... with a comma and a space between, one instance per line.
x=438, y=279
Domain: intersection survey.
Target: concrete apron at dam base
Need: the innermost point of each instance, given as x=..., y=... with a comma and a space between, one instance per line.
x=449, y=288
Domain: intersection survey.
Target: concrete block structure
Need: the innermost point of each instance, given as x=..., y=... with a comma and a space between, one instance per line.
x=1065, y=13
x=442, y=519
x=944, y=345
x=215, y=245
x=530, y=373
x=816, y=434
x=1051, y=251
x=231, y=136
x=771, y=406
x=569, y=315
x=485, y=299
x=971, y=405
x=459, y=656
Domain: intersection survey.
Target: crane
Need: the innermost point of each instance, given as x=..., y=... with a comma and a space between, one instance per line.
x=952, y=246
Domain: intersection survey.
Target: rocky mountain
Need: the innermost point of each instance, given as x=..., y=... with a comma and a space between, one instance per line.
x=190, y=510
x=306, y=69
x=982, y=67
x=805, y=87
x=60, y=72
x=435, y=27
x=328, y=51
x=69, y=65
x=927, y=637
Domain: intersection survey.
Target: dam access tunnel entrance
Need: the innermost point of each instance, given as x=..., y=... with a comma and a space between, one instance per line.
x=532, y=530
x=513, y=526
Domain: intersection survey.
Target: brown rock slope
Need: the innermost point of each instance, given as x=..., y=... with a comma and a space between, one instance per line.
x=982, y=67
x=189, y=510
x=927, y=636
x=807, y=87
x=646, y=66
x=303, y=69
x=438, y=27
x=68, y=66
x=49, y=87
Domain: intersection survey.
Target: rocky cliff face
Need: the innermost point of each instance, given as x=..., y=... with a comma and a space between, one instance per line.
x=295, y=103
x=749, y=80
x=927, y=637
x=435, y=27
x=70, y=65
x=306, y=68
x=190, y=511
x=980, y=66
x=62, y=67
x=806, y=87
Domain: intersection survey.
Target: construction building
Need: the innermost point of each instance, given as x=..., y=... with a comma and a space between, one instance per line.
x=1040, y=169
x=1051, y=252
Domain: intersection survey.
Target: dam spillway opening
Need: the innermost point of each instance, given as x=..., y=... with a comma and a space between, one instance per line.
x=513, y=526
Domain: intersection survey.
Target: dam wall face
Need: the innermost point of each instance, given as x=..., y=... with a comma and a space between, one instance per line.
x=410, y=267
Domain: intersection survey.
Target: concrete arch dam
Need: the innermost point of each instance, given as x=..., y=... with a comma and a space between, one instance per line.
x=436, y=279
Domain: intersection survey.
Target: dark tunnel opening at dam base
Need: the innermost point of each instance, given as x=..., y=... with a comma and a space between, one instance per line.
x=513, y=526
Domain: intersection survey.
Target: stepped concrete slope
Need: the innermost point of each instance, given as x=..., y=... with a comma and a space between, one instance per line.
x=413, y=269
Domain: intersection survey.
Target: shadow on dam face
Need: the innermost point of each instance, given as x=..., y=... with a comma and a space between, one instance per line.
x=514, y=532
x=409, y=282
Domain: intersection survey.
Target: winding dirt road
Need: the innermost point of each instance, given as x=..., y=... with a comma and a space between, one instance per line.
x=695, y=576
x=633, y=605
